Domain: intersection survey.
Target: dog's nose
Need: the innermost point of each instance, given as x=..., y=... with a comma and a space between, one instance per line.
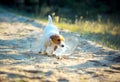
x=62, y=45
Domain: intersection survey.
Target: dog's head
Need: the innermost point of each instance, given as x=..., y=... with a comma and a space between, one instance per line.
x=57, y=39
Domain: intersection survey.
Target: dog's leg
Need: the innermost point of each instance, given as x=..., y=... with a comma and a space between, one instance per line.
x=45, y=50
x=42, y=50
x=54, y=49
x=41, y=46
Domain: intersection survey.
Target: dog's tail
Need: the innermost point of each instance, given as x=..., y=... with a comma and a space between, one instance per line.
x=50, y=19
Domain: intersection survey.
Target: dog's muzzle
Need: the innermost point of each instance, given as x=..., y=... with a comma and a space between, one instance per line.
x=62, y=44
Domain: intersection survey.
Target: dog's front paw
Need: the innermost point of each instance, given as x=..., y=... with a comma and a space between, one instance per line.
x=46, y=53
x=53, y=54
x=59, y=57
x=40, y=52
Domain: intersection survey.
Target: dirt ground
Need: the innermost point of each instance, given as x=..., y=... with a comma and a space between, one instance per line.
x=21, y=62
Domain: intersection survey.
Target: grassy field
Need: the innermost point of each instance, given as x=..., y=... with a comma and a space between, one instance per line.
x=105, y=31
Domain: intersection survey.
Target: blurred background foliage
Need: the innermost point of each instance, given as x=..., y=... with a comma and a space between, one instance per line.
x=98, y=20
x=70, y=9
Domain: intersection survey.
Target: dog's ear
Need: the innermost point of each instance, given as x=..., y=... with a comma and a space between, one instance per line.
x=55, y=36
x=55, y=39
x=52, y=37
x=62, y=38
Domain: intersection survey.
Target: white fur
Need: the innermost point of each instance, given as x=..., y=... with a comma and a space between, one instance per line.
x=49, y=30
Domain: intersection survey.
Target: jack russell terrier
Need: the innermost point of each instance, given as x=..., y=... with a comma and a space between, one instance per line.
x=51, y=38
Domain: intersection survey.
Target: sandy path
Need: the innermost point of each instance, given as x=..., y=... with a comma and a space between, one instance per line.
x=20, y=61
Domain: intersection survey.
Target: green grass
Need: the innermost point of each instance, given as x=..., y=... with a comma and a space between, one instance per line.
x=102, y=31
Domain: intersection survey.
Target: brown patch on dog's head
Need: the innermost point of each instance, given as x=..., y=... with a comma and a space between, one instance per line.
x=62, y=38
x=56, y=39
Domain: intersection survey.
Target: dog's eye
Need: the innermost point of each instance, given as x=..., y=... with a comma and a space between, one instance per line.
x=58, y=40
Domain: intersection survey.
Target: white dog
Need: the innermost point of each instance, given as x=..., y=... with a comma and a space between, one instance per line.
x=51, y=38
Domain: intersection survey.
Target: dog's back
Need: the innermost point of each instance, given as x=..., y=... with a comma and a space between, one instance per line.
x=50, y=28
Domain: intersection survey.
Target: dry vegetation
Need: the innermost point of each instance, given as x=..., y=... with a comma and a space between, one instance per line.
x=103, y=32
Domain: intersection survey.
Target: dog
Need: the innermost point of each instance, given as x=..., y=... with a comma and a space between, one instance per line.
x=51, y=38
